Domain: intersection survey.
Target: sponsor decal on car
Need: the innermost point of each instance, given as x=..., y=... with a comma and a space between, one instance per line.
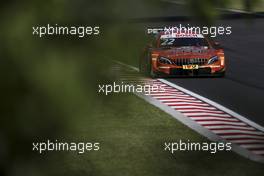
x=190, y=67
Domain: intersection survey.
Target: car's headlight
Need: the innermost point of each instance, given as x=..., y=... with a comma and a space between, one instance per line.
x=213, y=60
x=164, y=60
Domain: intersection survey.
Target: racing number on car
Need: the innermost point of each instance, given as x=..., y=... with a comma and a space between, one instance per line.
x=168, y=41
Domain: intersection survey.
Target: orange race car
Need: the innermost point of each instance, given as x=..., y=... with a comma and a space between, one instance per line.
x=182, y=54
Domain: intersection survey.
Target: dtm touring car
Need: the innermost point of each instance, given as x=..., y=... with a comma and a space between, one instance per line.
x=182, y=54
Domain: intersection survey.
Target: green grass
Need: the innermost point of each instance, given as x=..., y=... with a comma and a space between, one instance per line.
x=132, y=134
x=50, y=91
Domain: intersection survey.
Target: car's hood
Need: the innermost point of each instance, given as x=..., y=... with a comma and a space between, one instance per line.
x=187, y=52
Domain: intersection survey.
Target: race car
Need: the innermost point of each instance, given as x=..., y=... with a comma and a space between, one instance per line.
x=182, y=54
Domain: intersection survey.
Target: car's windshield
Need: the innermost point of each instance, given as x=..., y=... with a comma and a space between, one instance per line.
x=179, y=42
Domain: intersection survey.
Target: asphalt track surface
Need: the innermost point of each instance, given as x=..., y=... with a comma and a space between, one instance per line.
x=242, y=89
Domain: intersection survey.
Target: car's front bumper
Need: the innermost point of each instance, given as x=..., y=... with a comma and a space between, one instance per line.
x=203, y=70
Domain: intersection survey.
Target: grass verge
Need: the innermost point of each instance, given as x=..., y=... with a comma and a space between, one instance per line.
x=132, y=134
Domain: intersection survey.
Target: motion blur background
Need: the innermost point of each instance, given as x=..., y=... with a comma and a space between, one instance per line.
x=49, y=85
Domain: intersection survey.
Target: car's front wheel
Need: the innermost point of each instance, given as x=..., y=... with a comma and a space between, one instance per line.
x=145, y=67
x=152, y=74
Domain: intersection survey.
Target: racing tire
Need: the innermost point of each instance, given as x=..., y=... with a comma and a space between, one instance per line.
x=220, y=75
x=151, y=73
x=145, y=68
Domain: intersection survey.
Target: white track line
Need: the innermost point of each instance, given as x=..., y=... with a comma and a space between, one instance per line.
x=172, y=101
x=204, y=114
x=172, y=96
x=217, y=122
x=253, y=146
x=229, y=127
x=228, y=111
x=206, y=127
x=242, y=136
x=198, y=111
x=248, y=141
x=192, y=107
x=237, y=131
x=259, y=152
x=214, y=118
x=177, y=104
